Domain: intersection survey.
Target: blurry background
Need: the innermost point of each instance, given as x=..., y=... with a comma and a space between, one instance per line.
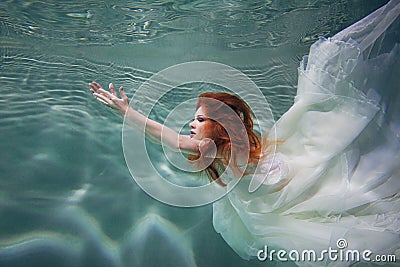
x=66, y=195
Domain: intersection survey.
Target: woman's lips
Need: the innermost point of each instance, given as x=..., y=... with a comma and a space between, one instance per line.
x=192, y=133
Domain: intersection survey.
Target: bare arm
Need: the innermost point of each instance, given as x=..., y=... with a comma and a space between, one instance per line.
x=155, y=132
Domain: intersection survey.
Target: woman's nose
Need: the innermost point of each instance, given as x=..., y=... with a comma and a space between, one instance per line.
x=191, y=124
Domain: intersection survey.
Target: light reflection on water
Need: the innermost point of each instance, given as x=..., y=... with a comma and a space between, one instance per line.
x=66, y=196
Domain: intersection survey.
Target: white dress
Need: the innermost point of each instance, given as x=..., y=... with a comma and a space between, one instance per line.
x=338, y=168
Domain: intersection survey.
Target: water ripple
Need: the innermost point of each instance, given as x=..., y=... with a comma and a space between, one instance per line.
x=242, y=24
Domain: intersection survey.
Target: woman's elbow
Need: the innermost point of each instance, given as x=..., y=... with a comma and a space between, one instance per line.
x=186, y=144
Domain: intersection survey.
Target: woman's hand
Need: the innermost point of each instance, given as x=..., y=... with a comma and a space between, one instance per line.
x=110, y=98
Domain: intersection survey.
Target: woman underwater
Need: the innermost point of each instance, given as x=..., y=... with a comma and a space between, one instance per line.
x=335, y=175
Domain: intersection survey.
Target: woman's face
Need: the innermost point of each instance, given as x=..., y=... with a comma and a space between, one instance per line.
x=198, y=125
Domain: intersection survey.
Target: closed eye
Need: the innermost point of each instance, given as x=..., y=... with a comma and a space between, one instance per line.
x=200, y=119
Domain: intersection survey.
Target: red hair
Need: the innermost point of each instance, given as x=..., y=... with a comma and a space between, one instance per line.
x=221, y=120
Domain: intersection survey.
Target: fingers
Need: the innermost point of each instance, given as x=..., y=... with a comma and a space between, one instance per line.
x=103, y=99
x=94, y=87
x=122, y=93
x=109, y=98
x=106, y=94
x=112, y=89
x=100, y=94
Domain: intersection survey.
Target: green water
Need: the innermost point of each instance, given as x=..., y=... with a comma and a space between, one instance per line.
x=66, y=195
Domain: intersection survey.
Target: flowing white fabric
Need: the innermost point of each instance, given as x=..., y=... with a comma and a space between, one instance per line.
x=337, y=172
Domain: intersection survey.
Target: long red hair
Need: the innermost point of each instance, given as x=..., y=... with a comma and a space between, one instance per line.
x=219, y=122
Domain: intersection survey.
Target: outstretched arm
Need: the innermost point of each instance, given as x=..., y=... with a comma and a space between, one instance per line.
x=154, y=131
